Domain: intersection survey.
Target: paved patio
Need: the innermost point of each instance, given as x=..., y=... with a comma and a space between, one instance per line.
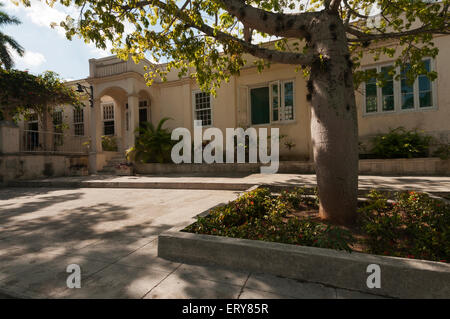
x=112, y=235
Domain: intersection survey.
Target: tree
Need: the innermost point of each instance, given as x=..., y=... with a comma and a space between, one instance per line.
x=326, y=38
x=6, y=42
x=22, y=92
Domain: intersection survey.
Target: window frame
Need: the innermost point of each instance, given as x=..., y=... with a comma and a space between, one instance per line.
x=75, y=122
x=398, y=93
x=281, y=102
x=108, y=120
x=194, y=110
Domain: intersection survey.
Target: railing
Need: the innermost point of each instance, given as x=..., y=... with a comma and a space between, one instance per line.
x=110, y=69
x=52, y=142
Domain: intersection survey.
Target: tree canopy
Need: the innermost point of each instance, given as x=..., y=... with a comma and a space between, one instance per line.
x=22, y=92
x=7, y=43
x=195, y=33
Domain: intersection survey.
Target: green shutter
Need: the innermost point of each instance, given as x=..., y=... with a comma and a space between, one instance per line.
x=260, y=105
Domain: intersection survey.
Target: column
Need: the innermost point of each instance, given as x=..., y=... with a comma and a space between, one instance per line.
x=95, y=134
x=133, y=115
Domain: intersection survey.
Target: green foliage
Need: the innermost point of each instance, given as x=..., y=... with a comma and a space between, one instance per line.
x=259, y=215
x=153, y=145
x=414, y=226
x=442, y=151
x=22, y=92
x=7, y=42
x=400, y=143
x=109, y=143
x=194, y=34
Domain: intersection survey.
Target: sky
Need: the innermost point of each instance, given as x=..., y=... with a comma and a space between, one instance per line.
x=47, y=48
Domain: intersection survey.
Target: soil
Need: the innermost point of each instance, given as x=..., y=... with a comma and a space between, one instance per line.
x=305, y=211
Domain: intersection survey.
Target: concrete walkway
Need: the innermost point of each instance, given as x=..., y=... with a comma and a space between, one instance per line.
x=112, y=235
x=238, y=182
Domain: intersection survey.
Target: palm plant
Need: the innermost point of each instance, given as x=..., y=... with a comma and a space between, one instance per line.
x=7, y=43
x=153, y=145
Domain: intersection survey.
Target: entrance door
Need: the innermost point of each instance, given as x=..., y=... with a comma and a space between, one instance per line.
x=32, y=136
x=143, y=113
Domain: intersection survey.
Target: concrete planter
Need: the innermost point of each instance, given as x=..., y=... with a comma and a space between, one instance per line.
x=400, y=277
x=403, y=166
x=248, y=168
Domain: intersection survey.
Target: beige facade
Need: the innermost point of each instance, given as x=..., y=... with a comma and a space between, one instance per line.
x=122, y=99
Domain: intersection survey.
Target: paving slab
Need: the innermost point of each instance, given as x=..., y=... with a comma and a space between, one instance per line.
x=49, y=279
x=258, y=294
x=289, y=287
x=214, y=273
x=117, y=282
x=147, y=256
x=351, y=294
x=188, y=287
x=113, y=248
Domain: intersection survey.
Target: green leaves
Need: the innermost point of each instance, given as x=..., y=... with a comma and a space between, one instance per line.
x=153, y=145
x=400, y=143
x=22, y=92
x=203, y=39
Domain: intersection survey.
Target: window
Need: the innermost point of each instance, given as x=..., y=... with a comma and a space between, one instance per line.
x=57, y=127
x=398, y=94
x=57, y=121
x=108, y=119
x=407, y=92
x=425, y=88
x=143, y=113
x=371, y=95
x=387, y=91
x=78, y=121
x=259, y=99
x=32, y=135
x=202, y=108
x=272, y=103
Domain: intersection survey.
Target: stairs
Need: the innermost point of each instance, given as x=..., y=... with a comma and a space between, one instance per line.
x=109, y=168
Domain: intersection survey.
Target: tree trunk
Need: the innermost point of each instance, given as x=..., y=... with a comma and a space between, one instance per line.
x=334, y=126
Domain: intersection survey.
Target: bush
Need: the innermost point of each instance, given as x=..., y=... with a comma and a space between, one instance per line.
x=414, y=226
x=442, y=151
x=153, y=145
x=400, y=143
x=109, y=143
x=259, y=215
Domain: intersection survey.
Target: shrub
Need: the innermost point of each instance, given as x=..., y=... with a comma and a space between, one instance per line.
x=259, y=215
x=414, y=226
x=442, y=151
x=109, y=143
x=400, y=143
x=153, y=145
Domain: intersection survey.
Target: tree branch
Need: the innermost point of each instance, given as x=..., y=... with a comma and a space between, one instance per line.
x=225, y=38
x=364, y=37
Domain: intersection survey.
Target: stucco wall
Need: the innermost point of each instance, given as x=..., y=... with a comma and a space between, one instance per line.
x=33, y=166
x=434, y=121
